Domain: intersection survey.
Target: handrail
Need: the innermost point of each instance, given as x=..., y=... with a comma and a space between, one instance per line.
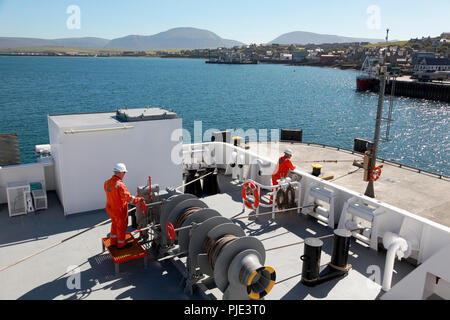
x=401, y=165
x=72, y=131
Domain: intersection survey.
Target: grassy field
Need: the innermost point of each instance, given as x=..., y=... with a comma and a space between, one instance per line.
x=383, y=44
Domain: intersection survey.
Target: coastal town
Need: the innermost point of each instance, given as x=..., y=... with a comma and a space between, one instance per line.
x=407, y=56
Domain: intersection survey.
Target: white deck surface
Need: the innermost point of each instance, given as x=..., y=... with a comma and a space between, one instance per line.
x=45, y=276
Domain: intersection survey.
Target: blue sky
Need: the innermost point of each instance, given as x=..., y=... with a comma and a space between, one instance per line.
x=248, y=21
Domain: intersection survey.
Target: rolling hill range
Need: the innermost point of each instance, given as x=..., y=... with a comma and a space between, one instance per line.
x=301, y=37
x=10, y=42
x=177, y=38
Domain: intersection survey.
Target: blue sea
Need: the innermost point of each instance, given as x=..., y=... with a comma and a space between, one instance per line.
x=321, y=101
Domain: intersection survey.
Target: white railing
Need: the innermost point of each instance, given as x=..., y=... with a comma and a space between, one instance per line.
x=430, y=236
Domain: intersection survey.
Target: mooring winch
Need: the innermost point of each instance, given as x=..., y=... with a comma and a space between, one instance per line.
x=210, y=247
x=214, y=247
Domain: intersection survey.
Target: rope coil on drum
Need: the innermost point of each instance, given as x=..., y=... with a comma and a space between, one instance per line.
x=183, y=216
x=280, y=199
x=290, y=197
x=285, y=198
x=214, y=247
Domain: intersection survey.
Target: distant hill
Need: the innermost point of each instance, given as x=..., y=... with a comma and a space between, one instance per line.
x=91, y=42
x=177, y=38
x=301, y=37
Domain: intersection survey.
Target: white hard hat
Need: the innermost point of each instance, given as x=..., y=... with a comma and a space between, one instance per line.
x=120, y=167
x=288, y=151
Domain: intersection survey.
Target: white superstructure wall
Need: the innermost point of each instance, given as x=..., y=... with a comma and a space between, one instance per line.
x=86, y=147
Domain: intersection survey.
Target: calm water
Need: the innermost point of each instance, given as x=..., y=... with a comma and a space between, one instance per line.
x=322, y=102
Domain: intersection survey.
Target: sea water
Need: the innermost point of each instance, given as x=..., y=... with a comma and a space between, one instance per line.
x=320, y=101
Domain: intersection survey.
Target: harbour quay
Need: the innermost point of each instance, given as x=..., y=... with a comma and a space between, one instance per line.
x=439, y=91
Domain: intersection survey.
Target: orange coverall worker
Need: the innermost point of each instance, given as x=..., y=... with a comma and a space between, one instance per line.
x=282, y=169
x=117, y=199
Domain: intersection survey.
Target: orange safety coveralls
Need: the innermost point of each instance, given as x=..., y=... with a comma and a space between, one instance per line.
x=282, y=169
x=117, y=199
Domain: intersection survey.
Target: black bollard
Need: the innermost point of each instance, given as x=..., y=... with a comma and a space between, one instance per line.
x=210, y=182
x=341, y=245
x=194, y=188
x=311, y=261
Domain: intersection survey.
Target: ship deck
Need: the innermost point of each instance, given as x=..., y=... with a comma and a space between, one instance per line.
x=46, y=276
x=421, y=193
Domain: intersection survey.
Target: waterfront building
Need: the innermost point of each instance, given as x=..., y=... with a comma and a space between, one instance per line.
x=285, y=56
x=433, y=64
x=418, y=56
x=328, y=57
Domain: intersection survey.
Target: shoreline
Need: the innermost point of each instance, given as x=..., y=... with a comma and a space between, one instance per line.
x=406, y=87
x=286, y=63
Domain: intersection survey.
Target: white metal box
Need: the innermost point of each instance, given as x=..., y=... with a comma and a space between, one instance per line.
x=40, y=199
x=85, y=147
x=16, y=193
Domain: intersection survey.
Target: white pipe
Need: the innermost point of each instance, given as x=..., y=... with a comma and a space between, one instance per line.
x=71, y=131
x=192, y=151
x=396, y=246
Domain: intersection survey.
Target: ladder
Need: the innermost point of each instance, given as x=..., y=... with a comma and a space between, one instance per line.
x=388, y=118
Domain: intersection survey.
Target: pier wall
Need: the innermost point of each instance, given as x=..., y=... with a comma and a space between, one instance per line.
x=419, y=90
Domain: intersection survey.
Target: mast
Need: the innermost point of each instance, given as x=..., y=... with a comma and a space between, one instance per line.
x=370, y=192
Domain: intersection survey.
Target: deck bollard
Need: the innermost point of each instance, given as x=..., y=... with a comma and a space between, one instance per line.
x=311, y=261
x=341, y=245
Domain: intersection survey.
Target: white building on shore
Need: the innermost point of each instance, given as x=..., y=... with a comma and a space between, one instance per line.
x=433, y=64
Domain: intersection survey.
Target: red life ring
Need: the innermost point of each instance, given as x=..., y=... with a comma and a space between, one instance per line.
x=250, y=184
x=376, y=173
x=170, y=231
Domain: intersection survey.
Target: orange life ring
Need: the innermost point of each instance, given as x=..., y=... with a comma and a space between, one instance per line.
x=250, y=184
x=376, y=173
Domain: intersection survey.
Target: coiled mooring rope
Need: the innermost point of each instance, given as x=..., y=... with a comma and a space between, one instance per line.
x=214, y=247
x=182, y=217
x=285, y=198
x=290, y=197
